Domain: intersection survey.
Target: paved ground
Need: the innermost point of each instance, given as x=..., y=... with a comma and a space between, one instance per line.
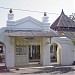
x=41, y=70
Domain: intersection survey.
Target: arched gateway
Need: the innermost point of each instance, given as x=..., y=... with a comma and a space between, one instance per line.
x=55, y=53
x=63, y=48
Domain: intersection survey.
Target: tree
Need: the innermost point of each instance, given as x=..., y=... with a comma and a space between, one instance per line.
x=72, y=16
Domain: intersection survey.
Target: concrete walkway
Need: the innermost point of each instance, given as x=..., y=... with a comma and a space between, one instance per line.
x=41, y=70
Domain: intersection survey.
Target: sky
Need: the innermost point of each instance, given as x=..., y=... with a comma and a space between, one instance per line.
x=54, y=7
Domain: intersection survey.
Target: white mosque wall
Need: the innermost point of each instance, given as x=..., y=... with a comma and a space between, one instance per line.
x=67, y=53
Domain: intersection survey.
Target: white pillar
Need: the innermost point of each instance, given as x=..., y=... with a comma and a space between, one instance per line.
x=10, y=21
x=46, y=24
x=46, y=51
x=9, y=61
x=10, y=16
x=45, y=18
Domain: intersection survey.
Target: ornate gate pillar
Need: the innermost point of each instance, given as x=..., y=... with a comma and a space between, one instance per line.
x=46, y=51
x=9, y=53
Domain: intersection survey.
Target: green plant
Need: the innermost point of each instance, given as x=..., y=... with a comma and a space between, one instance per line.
x=73, y=42
x=62, y=34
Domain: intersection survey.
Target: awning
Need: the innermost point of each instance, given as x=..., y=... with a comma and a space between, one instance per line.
x=31, y=33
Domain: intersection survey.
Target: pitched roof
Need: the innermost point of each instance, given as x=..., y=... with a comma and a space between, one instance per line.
x=29, y=32
x=63, y=21
x=63, y=24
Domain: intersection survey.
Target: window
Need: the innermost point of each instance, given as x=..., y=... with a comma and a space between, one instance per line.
x=1, y=49
x=21, y=49
x=34, y=51
x=55, y=47
x=51, y=49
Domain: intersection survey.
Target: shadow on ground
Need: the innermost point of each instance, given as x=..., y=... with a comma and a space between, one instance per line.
x=54, y=70
x=3, y=69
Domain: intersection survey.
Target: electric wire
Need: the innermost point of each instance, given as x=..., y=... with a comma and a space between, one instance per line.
x=28, y=10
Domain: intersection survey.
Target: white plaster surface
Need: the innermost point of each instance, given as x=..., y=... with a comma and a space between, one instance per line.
x=67, y=54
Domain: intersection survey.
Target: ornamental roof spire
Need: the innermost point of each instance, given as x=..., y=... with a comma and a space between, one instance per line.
x=10, y=11
x=10, y=15
x=45, y=18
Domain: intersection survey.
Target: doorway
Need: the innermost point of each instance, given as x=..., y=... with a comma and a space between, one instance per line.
x=34, y=53
x=55, y=53
x=2, y=55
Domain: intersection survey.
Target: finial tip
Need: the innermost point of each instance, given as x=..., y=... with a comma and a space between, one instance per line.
x=10, y=11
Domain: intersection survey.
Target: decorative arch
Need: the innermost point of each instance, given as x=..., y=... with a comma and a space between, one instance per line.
x=55, y=52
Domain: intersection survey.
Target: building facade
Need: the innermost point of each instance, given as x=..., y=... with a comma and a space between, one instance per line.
x=29, y=40
x=65, y=27
x=26, y=40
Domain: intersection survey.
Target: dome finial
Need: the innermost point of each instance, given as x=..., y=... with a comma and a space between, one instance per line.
x=62, y=12
x=45, y=18
x=10, y=11
x=10, y=15
x=45, y=14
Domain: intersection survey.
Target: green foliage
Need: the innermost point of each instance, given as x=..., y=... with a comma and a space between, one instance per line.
x=72, y=16
x=73, y=42
x=62, y=34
